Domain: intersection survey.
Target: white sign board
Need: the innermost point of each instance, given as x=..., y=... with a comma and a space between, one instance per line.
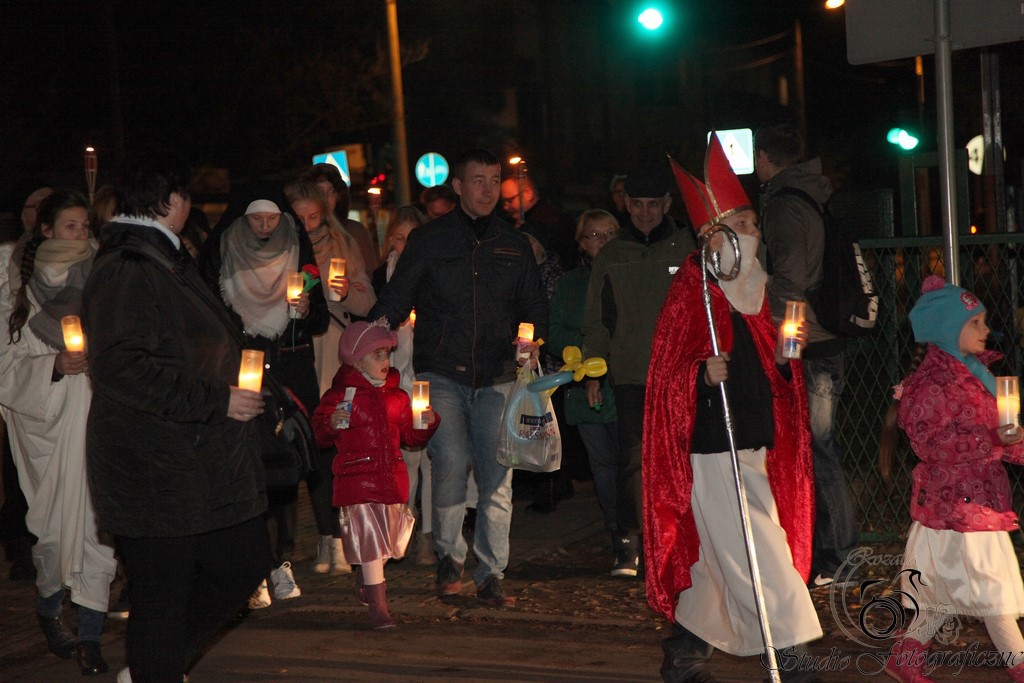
x=738, y=144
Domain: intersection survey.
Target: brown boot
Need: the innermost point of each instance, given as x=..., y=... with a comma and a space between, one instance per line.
x=906, y=661
x=377, y=596
x=360, y=587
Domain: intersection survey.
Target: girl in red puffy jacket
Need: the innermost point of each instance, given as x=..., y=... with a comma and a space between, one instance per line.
x=959, y=558
x=367, y=417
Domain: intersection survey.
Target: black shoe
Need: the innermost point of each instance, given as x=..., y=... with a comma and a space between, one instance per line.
x=492, y=593
x=58, y=637
x=627, y=562
x=449, y=577
x=90, y=659
x=685, y=657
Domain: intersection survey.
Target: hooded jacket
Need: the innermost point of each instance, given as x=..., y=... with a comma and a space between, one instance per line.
x=369, y=467
x=794, y=234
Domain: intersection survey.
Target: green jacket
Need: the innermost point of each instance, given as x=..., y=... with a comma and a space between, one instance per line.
x=626, y=291
x=564, y=330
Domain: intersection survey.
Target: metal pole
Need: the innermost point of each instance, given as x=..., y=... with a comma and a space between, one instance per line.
x=798, y=68
x=944, y=133
x=402, y=192
x=707, y=254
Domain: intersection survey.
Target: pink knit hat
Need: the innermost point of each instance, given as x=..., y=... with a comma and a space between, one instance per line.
x=362, y=338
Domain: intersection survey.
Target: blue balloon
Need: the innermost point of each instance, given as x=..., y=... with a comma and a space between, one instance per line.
x=549, y=381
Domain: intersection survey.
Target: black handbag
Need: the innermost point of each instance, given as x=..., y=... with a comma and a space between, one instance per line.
x=285, y=436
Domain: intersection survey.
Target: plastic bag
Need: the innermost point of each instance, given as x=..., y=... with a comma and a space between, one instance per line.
x=529, y=438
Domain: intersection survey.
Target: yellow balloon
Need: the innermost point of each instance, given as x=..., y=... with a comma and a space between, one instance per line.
x=547, y=392
x=578, y=375
x=572, y=355
x=595, y=367
x=569, y=368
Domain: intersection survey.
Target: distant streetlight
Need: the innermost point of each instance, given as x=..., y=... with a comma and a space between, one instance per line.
x=651, y=19
x=834, y=4
x=519, y=164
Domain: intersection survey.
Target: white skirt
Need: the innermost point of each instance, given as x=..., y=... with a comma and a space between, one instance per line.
x=976, y=572
x=719, y=607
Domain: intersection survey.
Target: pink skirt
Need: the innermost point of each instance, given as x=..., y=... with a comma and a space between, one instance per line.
x=375, y=531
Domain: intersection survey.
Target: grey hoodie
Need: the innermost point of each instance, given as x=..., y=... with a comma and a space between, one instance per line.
x=794, y=234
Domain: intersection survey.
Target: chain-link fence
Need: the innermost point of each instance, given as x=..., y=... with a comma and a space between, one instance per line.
x=991, y=267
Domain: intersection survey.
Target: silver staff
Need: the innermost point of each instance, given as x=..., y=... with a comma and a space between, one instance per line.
x=708, y=254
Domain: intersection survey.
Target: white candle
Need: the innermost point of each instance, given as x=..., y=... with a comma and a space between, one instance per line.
x=295, y=286
x=74, y=340
x=336, y=271
x=250, y=372
x=420, y=401
x=795, y=313
x=1008, y=401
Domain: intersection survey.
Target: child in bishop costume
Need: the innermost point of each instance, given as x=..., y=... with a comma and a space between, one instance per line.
x=697, y=570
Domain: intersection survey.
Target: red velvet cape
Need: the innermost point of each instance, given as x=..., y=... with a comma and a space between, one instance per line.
x=681, y=343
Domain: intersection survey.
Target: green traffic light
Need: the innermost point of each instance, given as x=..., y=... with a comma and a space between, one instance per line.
x=651, y=19
x=902, y=138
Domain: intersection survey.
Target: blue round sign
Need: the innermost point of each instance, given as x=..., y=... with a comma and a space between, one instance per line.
x=431, y=169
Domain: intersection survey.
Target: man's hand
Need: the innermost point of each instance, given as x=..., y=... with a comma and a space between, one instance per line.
x=528, y=351
x=594, y=396
x=244, y=405
x=71, y=362
x=716, y=370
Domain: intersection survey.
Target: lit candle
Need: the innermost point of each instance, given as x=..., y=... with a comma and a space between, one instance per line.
x=412, y=318
x=337, y=270
x=74, y=340
x=795, y=312
x=295, y=286
x=420, y=401
x=1008, y=401
x=250, y=372
x=525, y=336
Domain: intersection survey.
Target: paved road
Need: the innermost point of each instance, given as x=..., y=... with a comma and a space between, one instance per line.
x=573, y=624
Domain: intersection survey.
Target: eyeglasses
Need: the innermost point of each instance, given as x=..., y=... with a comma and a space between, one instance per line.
x=601, y=235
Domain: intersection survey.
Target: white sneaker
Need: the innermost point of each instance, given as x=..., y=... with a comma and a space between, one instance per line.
x=323, y=555
x=284, y=582
x=261, y=598
x=339, y=565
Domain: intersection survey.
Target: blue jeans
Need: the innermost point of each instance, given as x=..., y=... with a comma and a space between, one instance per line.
x=835, y=527
x=468, y=438
x=602, y=443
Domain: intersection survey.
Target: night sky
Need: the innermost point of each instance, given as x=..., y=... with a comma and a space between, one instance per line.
x=256, y=87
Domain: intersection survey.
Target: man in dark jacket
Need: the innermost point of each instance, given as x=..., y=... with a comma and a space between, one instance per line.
x=630, y=279
x=472, y=279
x=794, y=234
x=173, y=467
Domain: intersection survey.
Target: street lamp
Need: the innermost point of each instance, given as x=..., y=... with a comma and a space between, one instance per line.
x=834, y=4
x=519, y=165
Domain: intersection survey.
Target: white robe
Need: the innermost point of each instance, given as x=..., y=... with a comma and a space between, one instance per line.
x=46, y=422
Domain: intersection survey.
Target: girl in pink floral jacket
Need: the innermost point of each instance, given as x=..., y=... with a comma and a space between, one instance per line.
x=958, y=556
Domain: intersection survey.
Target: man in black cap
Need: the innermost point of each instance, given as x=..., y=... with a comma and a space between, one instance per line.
x=630, y=278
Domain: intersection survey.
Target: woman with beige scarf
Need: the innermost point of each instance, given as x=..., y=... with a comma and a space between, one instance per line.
x=45, y=397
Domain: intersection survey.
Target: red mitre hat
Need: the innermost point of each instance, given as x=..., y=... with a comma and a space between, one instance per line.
x=723, y=194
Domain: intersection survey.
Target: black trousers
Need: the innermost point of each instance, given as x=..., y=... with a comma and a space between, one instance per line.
x=184, y=590
x=629, y=406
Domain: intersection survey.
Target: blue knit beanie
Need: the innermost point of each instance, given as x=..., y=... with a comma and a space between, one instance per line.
x=939, y=317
